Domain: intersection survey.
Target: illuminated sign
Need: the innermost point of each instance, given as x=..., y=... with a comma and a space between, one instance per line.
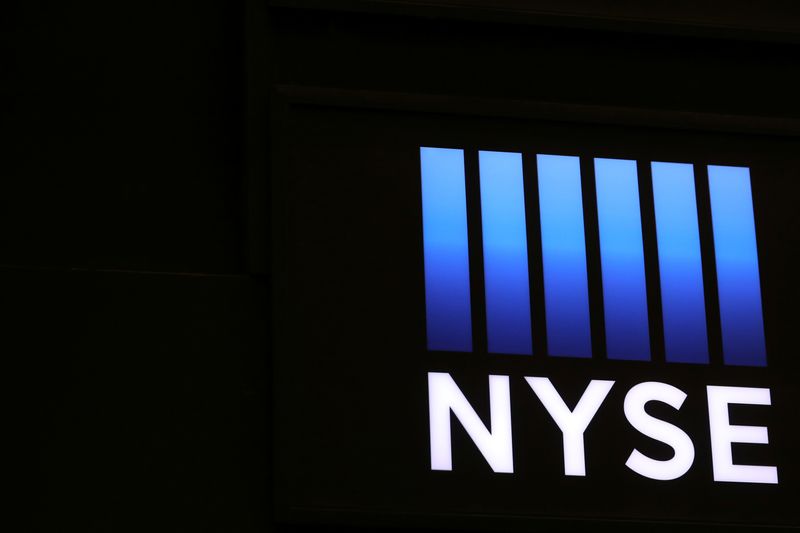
x=505, y=258
x=504, y=238
x=533, y=321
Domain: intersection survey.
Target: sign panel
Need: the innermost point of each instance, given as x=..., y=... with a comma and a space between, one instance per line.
x=508, y=325
x=495, y=322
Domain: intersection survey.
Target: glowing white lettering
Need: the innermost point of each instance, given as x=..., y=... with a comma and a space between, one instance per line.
x=573, y=423
x=657, y=429
x=723, y=434
x=444, y=396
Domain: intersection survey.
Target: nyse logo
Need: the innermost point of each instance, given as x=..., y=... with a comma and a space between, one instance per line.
x=506, y=284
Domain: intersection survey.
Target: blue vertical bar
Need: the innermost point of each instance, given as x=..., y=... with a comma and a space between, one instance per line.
x=566, y=291
x=444, y=228
x=738, y=280
x=622, y=259
x=679, y=263
x=505, y=253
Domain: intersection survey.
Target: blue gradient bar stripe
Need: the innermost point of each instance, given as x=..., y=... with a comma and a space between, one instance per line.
x=738, y=279
x=505, y=253
x=446, y=248
x=680, y=263
x=622, y=260
x=566, y=290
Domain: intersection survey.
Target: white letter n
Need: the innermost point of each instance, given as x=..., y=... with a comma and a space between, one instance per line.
x=495, y=445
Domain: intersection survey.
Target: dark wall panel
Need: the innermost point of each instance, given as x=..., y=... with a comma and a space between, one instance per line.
x=133, y=340
x=123, y=136
x=146, y=401
x=456, y=57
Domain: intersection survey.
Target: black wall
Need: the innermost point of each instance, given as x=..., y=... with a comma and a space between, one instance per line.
x=139, y=141
x=135, y=336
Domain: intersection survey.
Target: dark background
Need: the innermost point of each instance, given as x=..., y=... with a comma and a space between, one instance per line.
x=150, y=174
